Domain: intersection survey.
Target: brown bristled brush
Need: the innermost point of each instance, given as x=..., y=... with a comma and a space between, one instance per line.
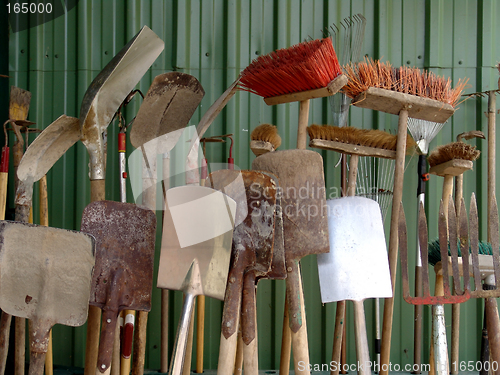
x=264, y=138
x=351, y=140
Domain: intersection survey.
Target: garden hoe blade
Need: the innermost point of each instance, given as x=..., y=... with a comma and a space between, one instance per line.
x=195, y=252
x=123, y=276
x=45, y=276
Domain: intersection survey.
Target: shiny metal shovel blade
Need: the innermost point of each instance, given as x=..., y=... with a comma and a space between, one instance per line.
x=357, y=265
x=109, y=88
x=197, y=231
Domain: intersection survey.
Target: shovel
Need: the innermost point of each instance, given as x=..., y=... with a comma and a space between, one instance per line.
x=45, y=276
x=251, y=254
x=197, y=233
x=100, y=102
x=248, y=300
x=305, y=224
x=356, y=267
x=123, y=276
x=167, y=108
x=45, y=150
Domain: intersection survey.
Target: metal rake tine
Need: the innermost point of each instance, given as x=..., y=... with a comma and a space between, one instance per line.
x=463, y=234
x=403, y=250
x=453, y=242
x=493, y=229
x=474, y=242
x=443, y=247
x=424, y=250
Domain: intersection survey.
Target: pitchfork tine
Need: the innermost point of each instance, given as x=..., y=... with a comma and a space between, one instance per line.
x=493, y=229
x=474, y=242
x=463, y=233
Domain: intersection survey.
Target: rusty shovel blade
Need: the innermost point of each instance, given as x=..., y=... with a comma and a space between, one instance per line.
x=168, y=106
x=109, y=88
x=45, y=276
x=123, y=276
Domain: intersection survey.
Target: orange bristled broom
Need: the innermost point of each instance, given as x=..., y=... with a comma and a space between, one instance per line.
x=302, y=72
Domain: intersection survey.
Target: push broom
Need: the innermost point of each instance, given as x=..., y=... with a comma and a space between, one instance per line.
x=406, y=92
x=302, y=72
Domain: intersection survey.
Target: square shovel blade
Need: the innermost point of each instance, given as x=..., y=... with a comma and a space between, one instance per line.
x=197, y=233
x=125, y=244
x=45, y=273
x=357, y=266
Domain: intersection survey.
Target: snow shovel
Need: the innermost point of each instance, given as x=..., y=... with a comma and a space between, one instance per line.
x=123, y=276
x=251, y=253
x=305, y=224
x=100, y=102
x=45, y=276
x=356, y=267
x=197, y=233
x=167, y=108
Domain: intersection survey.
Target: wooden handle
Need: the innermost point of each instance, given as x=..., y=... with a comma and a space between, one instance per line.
x=127, y=341
x=238, y=361
x=455, y=336
x=20, y=340
x=92, y=345
x=337, y=337
x=200, y=333
x=227, y=351
x=286, y=343
x=493, y=327
x=97, y=190
x=447, y=192
x=249, y=325
x=353, y=172
x=399, y=168
x=116, y=358
x=5, y=322
x=361, y=339
x=141, y=325
x=4, y=177
x=49, y=361
x=303, y=121
x=300, y=344
x=37, y=361
x=491, y=150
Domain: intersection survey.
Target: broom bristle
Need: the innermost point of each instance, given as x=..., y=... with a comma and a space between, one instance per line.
x=359, y=137
x=455, y=150
x=305, y=66
x=413, y=81
x=266, y=133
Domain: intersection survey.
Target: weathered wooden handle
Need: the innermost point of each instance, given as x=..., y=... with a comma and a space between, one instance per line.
x=337, y=337
x=493, y=327
x=361, y=339
x=302, y=128
x=37, y=362
x=5, y=322
x=92, y=345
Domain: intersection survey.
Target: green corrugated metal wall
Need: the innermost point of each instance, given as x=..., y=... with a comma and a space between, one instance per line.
x=214, y=40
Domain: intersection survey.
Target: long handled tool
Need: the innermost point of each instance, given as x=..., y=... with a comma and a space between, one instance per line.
x=45, y=277
x=47, y=148
x=356, y=266
x=449, y=233
x=305, y=228
x=167, y=108
x=197, y=234
x=100, y=102
x=123, y=276
x=251, y=253
x=423, y=132
x=399, y=91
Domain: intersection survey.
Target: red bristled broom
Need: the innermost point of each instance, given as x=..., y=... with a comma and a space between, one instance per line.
x=304, y=71
x=305, y=66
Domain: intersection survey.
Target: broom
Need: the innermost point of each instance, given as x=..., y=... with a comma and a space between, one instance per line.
x=264, y=138
x=406, y=92
x=302, y=72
